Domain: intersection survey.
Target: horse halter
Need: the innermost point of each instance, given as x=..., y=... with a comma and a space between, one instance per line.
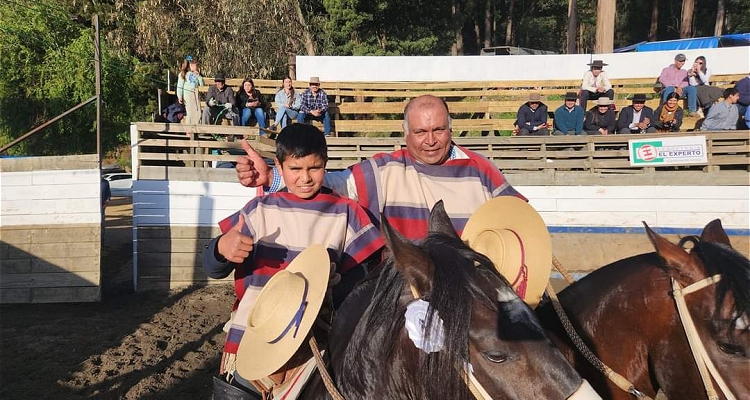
x=705, y=366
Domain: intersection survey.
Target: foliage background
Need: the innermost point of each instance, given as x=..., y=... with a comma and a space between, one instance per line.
x=47, y=48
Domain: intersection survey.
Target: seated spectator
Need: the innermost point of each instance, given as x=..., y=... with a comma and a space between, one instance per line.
x=675, y=79
x=288, y=102
x=595, y=84
x=698, y=77
x=569, y=117
x=532, y=117
x=747, y=117
x=314, y=105
x=600, y=119
x=636, y=118
x=250, y=103
x=668, y=116
x=743, y=86
x=220, y=103
x=723, y=116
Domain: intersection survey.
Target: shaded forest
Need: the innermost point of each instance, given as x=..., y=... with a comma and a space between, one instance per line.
x=47, y=45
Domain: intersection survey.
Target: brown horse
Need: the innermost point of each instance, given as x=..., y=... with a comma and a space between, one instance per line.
x=486, y=327
x=626, y=313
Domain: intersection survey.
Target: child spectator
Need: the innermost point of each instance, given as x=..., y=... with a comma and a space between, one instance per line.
x=723, y=116
x=636, y=118
x=188, y=82
x=569, y=117
x=532, y=117
x=600, y=119
x=250, y=103
x=668, y=116
x=288, y=102
x=595, y=84
x=265, y=235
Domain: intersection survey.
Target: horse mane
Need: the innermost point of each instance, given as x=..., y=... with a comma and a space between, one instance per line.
x=734, y=269
x=454, y=288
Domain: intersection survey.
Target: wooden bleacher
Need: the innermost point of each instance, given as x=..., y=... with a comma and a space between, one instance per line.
x=478, y=108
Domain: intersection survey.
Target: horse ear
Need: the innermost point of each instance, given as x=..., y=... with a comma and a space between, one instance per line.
x=680, y=264
x=414, y=264
x=440, y=222
x=714, y=233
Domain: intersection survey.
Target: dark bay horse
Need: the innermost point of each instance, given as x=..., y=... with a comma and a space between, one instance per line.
x=486, y=325
x=627, y=315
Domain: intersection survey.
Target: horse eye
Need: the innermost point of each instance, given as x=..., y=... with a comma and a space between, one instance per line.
x=732, y=349
x=497, y=358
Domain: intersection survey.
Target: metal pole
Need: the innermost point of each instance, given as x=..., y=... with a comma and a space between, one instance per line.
x=98, y=75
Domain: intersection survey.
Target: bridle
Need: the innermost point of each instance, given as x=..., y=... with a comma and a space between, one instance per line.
x=705, y=366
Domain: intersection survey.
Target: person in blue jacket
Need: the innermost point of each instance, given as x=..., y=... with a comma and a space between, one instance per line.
x=569, y=116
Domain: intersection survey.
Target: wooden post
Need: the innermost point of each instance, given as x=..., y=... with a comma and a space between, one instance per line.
x=686, y=24
x=292, y=64
x=572, y=26
x=605, y=26
x=98, y=80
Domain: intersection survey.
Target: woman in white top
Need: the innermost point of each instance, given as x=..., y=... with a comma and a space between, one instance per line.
x=188, y=82
x=699, y=76
x=288, y=102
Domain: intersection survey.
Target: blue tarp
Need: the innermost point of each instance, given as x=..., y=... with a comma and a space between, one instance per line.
x=737, y=39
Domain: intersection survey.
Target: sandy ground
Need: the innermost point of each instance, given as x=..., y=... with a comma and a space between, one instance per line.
x=154, y=345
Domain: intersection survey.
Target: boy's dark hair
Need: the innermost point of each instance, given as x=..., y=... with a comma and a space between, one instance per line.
x=300, y=140
x=730, y=91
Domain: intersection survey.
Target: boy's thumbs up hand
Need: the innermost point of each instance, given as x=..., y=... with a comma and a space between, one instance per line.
x=234, y=245
x=252, y=170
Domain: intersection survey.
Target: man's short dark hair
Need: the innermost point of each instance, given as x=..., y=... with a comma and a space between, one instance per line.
x=730, y=92
x=301, y=140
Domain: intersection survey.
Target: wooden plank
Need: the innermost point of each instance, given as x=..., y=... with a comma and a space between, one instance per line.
x=147, y=284
x=29, y=192
x=176, y=232
x=147, y=260
x=148, y=172
x=49, y=206
x=50, y=280
x=175, y=273
x=53, y=250
x=71, y=264
x=16, y=266
x=173, y=245
x=49, y=163
x=51, y=219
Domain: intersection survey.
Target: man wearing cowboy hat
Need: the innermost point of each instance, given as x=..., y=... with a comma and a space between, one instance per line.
x=220, y=103
x=406, y=183
x=600, y=119
x=675, y=79
x=532, y=117
x=315, y=105
x=636, y=118
x=595, y=83
x=569, y=117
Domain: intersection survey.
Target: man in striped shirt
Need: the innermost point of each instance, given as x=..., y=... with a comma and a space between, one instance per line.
x=405, y=184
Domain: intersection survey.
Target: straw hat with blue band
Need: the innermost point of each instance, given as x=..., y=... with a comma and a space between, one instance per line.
x=514, y=237
x=283, y=314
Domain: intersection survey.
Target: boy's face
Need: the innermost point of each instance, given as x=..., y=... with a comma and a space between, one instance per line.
x=303, y=176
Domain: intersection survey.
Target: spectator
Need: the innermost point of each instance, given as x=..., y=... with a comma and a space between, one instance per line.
x=569, y=117
x=250, y=103
x=723, y=116
x=106, y=193
x=743, y=86
x=699, y=77
x=747, y=117
x=188, y=82
x=404, y=185
x=220, y=103
x=636, y=118
x=595, y=84
x=314, y=105
x=600, y=119
x=532, y=117
x=668, y=116
x=288, y=102
x=675, y=79
x=263, y=237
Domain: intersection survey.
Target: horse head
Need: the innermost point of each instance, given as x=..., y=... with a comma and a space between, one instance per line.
x=720, y=311
x=469, y=319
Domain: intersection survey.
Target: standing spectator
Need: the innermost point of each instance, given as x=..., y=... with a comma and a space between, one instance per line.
x=668, y=116
x=600, y=119
x=288, y=102
x=699, y=77
x=314, y=105
x=595, y=83
x=636, y=118
x=220, y=103
x=106, y=197
x=250, y=102
x=675, y=79
x=723, y=116
x=743, y=86
x=569, y=117
x=188, y=82
x=532, y=117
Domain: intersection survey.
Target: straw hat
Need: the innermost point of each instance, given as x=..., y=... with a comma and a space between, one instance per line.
x=535, y=97
x=511, y=233
x=604, y=101
x=283, y=314
x=314, y=79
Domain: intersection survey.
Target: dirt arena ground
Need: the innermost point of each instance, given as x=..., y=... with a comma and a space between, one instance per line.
x=156, y=345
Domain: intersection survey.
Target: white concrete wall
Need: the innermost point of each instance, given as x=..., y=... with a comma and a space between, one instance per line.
x=729, y=60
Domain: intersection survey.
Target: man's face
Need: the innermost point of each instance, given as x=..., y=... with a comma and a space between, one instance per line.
x=732, y=99
x=679, y=64
x=603, y=109
x=596, y=71
x=534, y=105
x=570, y=103
x=304, y=175
x=314, y=87
x=638, y=105
x=429, y=137
x=220, y=85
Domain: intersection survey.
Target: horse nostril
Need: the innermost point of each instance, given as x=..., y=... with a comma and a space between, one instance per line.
x=497, y=358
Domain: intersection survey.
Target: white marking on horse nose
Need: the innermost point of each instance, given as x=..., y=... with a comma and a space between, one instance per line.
x=742, y=323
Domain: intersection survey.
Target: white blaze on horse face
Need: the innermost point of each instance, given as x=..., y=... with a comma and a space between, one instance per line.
x=742, y=323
